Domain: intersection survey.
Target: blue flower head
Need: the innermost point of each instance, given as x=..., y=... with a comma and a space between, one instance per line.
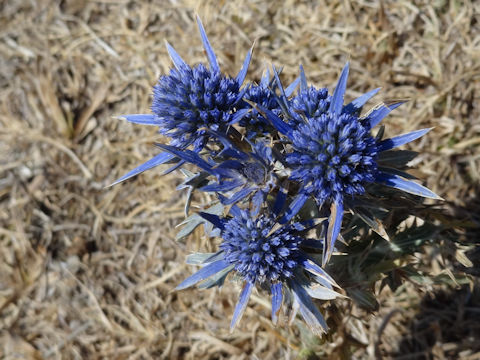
x=262, y=253
x=258, y=255
x=189, y=101
x=324, y=149
x=333, y=156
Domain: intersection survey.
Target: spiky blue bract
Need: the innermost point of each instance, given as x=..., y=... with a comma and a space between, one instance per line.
x=277, y=297
x=263, y=253
x=159, y=159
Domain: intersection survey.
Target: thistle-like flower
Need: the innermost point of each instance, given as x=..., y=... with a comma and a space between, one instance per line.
x=286, y=166
x=262, y=253
x=333, y=156
x=189, y=101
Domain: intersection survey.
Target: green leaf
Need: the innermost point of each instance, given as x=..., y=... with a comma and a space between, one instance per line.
x=410, y=240
x=363, y=298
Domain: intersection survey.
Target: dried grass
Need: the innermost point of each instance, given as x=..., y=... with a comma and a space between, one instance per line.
x=88, y=272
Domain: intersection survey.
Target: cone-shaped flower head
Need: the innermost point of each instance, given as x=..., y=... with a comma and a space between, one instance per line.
x=334, y=156
x=254, y=123
x=263, y=253
x=258, y=255
x=190, y=100
x=263, y=96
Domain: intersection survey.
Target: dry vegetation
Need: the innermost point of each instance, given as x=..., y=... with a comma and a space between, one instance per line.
x=88, y=272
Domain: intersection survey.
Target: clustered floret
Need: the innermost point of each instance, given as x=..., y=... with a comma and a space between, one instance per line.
x=333, y=156
x=258, y=255
x=189, y=101
x=310, y=102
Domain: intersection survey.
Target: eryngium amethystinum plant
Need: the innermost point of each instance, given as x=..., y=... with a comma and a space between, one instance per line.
x=290, y=169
